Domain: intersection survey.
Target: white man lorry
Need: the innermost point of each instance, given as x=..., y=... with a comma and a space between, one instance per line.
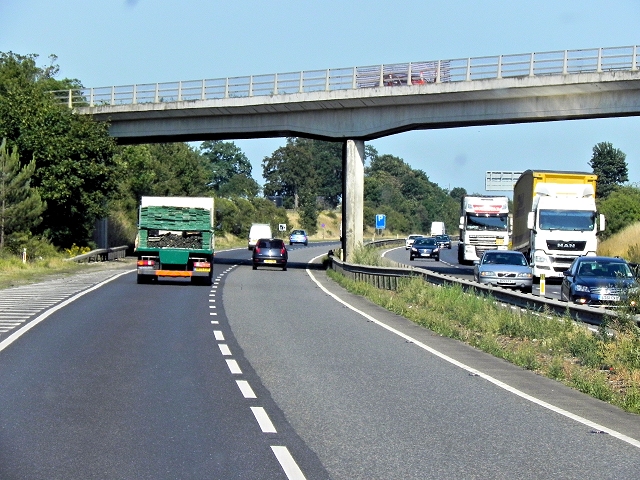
x=484, y=225
x=175, y=239
x=555, y=219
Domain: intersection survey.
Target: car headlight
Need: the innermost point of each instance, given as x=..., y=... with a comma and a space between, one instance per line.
x=487, y=274
x=436, y=249
x=525, y=275
x=581, y=288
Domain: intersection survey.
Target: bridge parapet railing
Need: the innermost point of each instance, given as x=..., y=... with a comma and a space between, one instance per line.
x=561, y=62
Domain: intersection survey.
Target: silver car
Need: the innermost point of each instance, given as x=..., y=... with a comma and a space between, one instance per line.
x=503, y=268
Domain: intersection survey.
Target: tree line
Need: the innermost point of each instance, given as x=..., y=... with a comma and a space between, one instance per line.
x=60, y=172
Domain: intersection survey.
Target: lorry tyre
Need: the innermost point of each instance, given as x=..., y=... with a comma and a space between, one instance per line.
x=143, y=279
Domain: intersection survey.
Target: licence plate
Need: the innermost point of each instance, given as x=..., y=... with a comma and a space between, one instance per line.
x=506, y=282
x=610, y=298
x=269, y=261
x=499, y=241
x=200, y=269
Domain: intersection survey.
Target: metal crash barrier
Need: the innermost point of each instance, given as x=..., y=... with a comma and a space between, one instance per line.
x=101, y=255
x=390, y=277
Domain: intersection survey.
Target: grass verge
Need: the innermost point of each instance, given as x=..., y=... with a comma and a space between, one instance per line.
x=599, y=364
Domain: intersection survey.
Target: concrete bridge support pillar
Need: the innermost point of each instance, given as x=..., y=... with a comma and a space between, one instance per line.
x=352, y=196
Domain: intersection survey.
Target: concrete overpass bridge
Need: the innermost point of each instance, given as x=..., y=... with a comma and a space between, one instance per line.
x=356, y=104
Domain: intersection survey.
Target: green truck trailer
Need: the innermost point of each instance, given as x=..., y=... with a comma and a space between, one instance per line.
x=175, y=239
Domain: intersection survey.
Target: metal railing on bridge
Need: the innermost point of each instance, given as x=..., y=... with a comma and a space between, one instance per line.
x=388, y=75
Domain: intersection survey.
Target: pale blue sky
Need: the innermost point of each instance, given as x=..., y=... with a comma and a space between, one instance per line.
x=119, y=42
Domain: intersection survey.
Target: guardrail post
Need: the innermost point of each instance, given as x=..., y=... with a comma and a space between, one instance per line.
x=226, y=88
x=203, y=94
x=275, y=84
x=180, y=91
x=70, y=99
x=438, y=72
x=134, y=94
x=381, y=81
x=531, y=60
x=113, y=95
x=409, y=74
x=326, y=80
x=91, y=97
x=156, y=98
x=300, y=83
x=468, y=76
x=565, y=63
x=634, y=64
x=599, y=69
x=499, y=75
x=251, y=86
x=353, y=79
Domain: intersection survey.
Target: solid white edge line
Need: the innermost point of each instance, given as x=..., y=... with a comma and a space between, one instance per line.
x=288, y=464
x=263, y=420
x=495, y=381
x=18, y=333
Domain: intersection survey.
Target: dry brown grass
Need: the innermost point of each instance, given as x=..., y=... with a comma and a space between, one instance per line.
x=625, y=244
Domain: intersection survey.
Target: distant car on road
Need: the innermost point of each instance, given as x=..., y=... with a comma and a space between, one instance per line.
x=444, y=241
x=270, y=252
x=410, y=239
x=298, y=236
x=599, y=281
x=425, y=247
x=503, y=268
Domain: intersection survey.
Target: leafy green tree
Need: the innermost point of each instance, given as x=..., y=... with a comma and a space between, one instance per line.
x=611, y=167
x=230, y=169
x=309, y=214
x=75, y=171
x=240, y=185
x=20, y=204
x=457, y=194
x=290, y=172
x=391, y=184
x=621, y=209
x=180, y=170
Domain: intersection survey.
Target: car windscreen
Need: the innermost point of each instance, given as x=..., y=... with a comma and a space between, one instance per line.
x=425, y=242
x=604, y=269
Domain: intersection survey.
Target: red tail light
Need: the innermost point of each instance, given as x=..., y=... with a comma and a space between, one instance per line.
x=146, y=263
x=201, y=265
x=256, y=249
x=282, y=250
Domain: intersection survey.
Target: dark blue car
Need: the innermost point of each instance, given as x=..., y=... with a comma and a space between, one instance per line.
x=599, y=281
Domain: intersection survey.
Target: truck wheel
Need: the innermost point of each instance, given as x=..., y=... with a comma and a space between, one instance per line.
x=143, y=279
x=255, y=267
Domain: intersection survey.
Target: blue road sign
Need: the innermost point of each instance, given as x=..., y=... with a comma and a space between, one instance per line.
x=381, y=221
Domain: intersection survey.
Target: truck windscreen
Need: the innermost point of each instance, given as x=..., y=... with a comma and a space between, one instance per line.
x=567, y=220
x=487, y=222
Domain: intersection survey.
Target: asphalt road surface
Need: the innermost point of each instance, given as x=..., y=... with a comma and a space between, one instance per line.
x=272, y=374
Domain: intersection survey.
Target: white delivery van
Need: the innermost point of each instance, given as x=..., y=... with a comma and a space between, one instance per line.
x=258, y=231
